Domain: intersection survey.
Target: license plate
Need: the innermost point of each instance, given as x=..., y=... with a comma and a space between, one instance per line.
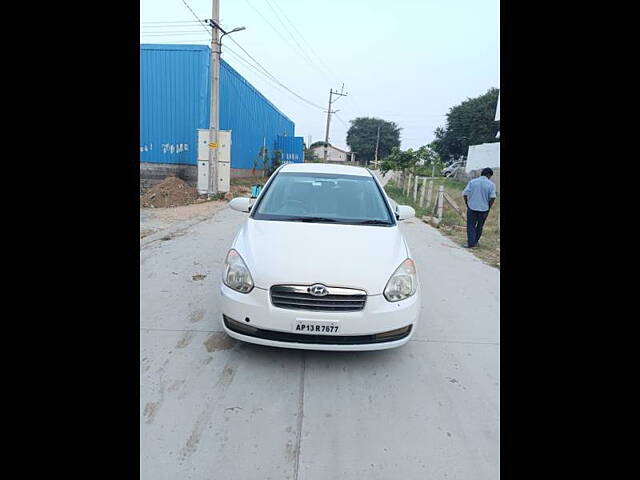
x=316, y=327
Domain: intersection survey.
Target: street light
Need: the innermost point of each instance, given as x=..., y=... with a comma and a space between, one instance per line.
x=214, y=24
x=214, y=113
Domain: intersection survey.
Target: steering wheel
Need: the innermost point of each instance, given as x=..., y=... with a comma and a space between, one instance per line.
x=296, y=203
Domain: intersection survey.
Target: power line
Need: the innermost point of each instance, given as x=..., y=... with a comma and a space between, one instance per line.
x=277, y=31
x=169, y=27
x=189, y=41
x=270, y=77
x=305, y=41
x=169, y=22
x=273, y=78
x=170, y=34
x=195, y=16
x=306, y=57
x=340, y=118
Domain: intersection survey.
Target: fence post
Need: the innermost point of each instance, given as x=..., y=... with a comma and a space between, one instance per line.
x=424, y=187
x=415, y=189
x=429, y=193
x=440, y=201
x=406, y=192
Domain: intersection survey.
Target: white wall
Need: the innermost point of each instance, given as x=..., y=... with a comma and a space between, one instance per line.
x=483, y=155
x=333, y=155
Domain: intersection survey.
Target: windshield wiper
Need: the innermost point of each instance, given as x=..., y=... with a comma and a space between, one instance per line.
x=372, y=222
x=312, y=219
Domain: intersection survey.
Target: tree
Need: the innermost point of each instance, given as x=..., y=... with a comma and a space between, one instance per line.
x=263, y=155
x=276, y=161
x=310, y=156
x=361, y=138
x=399, y=160
x=418, y=162
x=469, y=123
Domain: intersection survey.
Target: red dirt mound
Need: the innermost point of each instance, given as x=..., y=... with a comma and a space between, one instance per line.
x=171, y=192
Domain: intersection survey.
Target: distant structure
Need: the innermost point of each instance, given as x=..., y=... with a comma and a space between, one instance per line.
x=485, y=154
x=334, y=154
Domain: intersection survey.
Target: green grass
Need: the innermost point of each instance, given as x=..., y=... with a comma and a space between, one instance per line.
x=489, y=247
x=249, y=181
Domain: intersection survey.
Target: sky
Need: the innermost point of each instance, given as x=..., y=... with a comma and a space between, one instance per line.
x=407, y=61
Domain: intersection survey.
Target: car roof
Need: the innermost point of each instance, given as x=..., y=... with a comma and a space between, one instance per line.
x=326, y=168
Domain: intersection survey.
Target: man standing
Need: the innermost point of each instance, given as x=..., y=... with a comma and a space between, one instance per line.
x=479, y=195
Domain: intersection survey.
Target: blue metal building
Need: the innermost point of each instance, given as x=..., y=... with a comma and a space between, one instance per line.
x=175, y=99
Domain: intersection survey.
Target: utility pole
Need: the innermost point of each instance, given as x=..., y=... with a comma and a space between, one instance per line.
x=329, y=112
x=375, y=162
x=214, y=114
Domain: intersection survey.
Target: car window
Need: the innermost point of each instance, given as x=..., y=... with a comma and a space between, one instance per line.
x=312, y=197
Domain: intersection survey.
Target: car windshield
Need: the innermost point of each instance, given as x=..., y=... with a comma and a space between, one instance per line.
x=323, y=198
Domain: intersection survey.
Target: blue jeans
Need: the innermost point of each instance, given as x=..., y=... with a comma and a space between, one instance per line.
x=475, y=222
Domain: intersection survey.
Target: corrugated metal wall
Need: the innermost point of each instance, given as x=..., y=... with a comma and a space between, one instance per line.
x=292, y=148
x=174, y=103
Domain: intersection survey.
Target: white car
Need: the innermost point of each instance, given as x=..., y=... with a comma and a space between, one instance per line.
x=320, y=264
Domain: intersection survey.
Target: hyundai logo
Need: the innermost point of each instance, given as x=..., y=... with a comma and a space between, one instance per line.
x=318, y=290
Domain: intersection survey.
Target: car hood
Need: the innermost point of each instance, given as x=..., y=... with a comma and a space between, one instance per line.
x=351, y=256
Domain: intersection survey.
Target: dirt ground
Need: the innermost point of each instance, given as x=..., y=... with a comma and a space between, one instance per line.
x=171, y=192
x=153, y=220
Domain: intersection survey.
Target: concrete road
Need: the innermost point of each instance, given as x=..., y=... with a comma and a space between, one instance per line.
x=214, y=408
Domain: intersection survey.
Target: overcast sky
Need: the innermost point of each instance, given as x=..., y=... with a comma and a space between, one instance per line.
x=406, y=61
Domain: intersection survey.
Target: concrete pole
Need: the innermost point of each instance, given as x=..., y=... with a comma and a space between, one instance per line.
x=415, y=189
x=429, y=193
x=326, y=134
x=424, y=187
x=440, y=201
x=213, y=113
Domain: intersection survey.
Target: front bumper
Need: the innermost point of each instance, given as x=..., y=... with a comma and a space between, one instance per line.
x=360, y=330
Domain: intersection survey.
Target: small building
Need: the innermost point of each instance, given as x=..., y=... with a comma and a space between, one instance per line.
x=334, y=154
x=485, y=154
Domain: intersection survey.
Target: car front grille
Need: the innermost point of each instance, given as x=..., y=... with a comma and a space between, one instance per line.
x=297, y=297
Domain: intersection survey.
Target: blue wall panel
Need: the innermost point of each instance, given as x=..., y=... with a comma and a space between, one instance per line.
x=174, y=103
x=173, y=87
x=292, y=148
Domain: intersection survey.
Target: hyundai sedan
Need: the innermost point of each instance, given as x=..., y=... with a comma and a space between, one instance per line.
x=320, y=264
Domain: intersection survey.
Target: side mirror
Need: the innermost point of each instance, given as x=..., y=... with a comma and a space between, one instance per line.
x=241, y=204
x=404, y=212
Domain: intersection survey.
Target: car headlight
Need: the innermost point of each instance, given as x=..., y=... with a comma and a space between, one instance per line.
x=403, y=283
x=236, y=274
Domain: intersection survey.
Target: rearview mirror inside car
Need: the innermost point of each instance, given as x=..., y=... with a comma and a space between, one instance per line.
x=241, y=204
x=404, y=212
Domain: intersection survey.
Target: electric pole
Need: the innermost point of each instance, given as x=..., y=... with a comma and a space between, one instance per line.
x=329, y=112
x=375, y=162
x=214, y=114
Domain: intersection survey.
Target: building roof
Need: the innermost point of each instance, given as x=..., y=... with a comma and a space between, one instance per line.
x=332, y=146
x=326, y=168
